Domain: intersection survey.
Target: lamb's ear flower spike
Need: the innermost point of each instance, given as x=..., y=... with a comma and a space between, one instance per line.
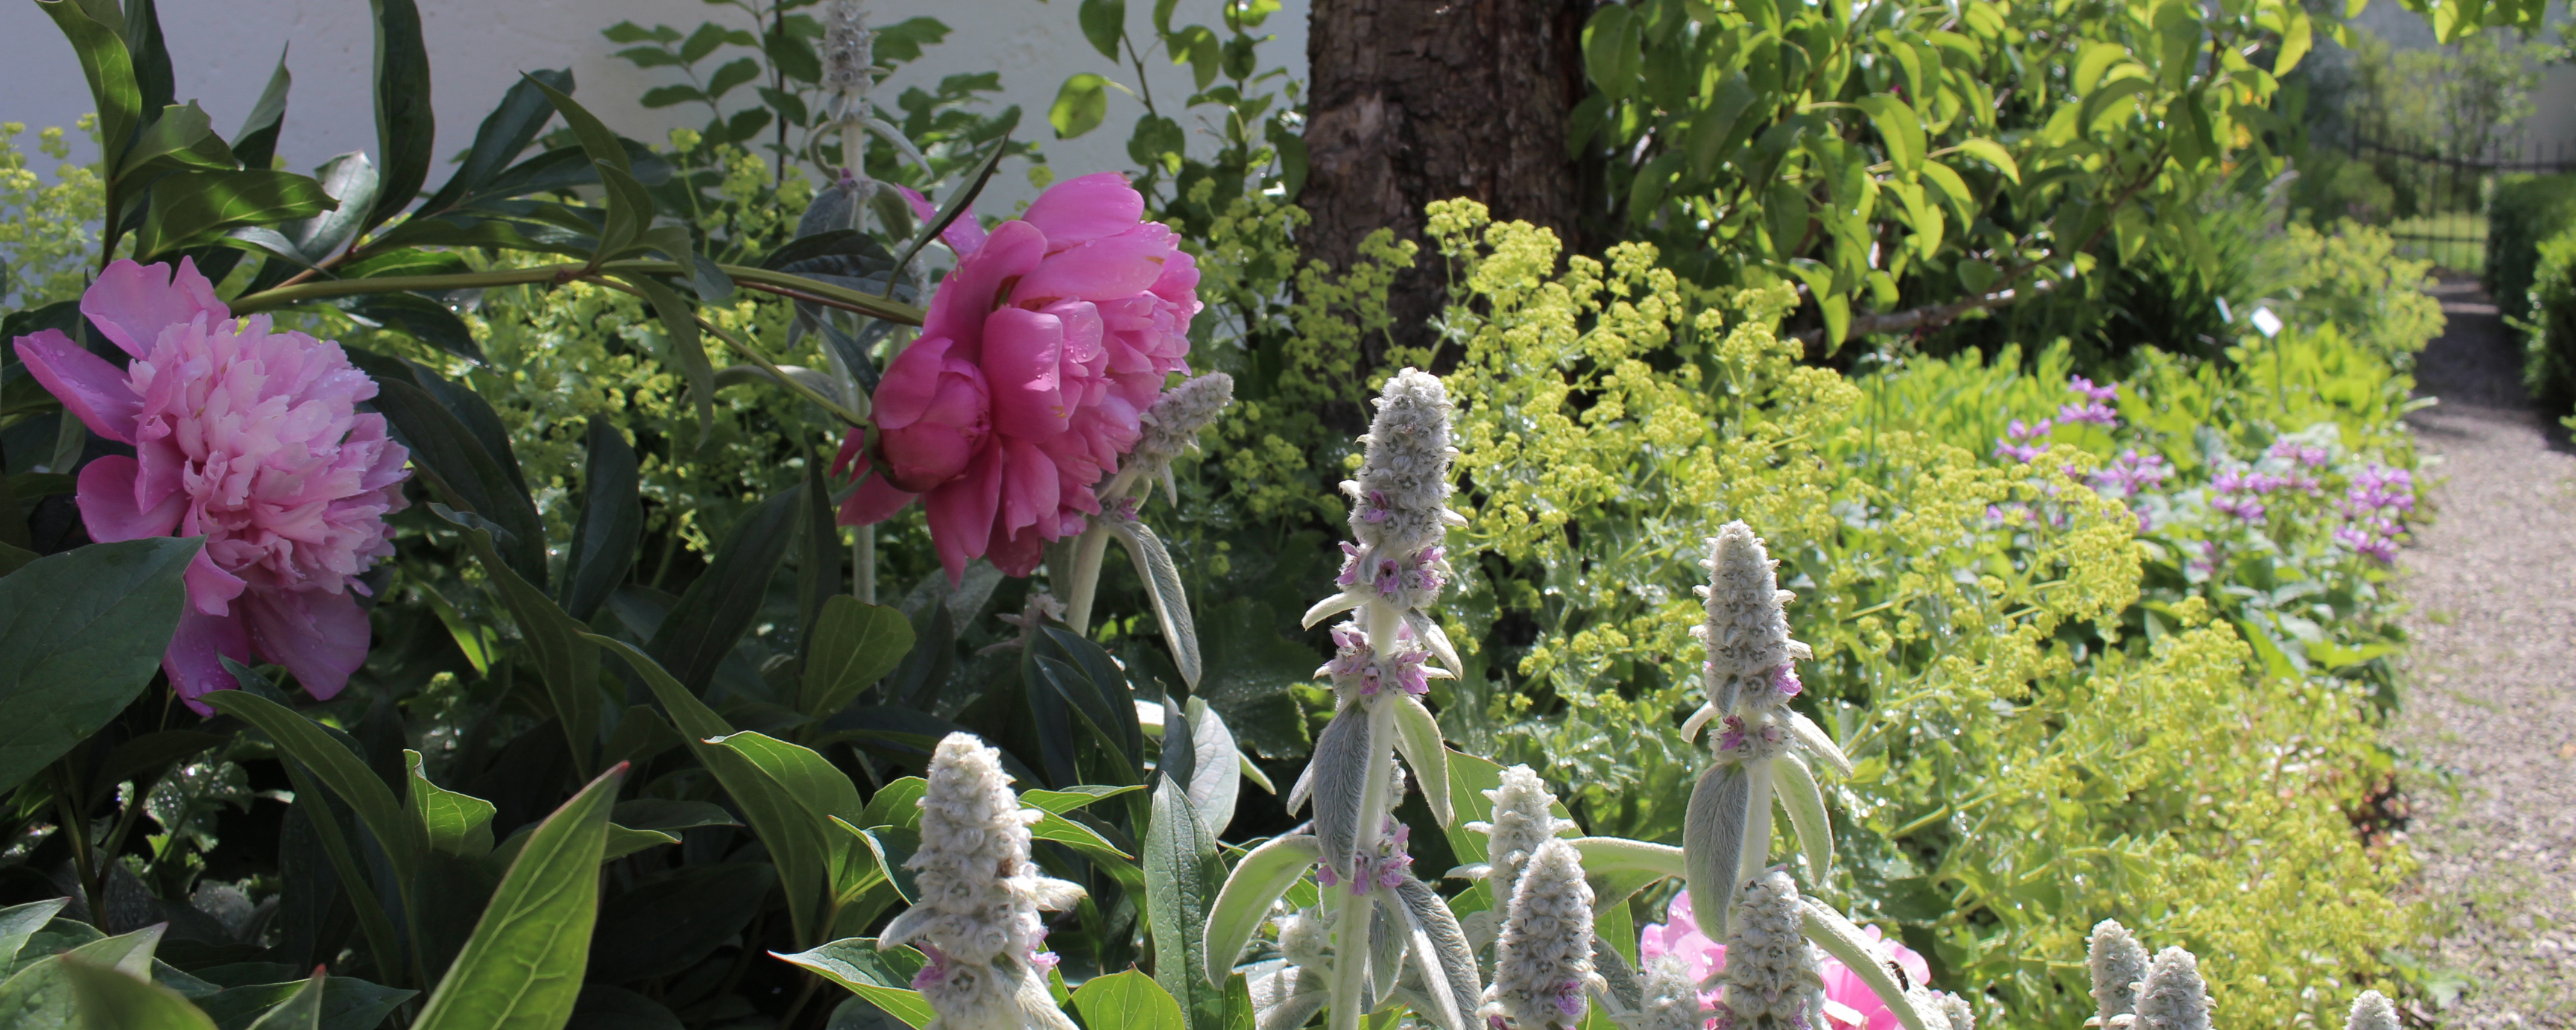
x=1524, y=818
x=1748, y=668
x=1172, y=426
x=1543, y=975
x=2117, y=962
x=2371, y=1011
x=1771, y=977
x=980, y=897
x=1671, y=999
x=2173, y=997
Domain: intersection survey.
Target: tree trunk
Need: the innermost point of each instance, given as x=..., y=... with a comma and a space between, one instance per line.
x=1420, y=100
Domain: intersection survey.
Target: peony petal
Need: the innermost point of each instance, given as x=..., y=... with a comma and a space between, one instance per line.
x=1107, y=268
x=132, y=303
x=911, y=382
x=925, y=454
x=852, y=453
x=1085, y=208
x=210, y=588
x=106, y=492
x=88, y=386
x=320, y=637
x=1024, y=364
x=1030, y=487
x=875, y=501
x=1016, y=554
x=975, y=286
x=961, y=513
x=194, y=659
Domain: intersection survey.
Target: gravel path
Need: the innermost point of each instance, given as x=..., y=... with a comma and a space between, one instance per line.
x=2493, y=700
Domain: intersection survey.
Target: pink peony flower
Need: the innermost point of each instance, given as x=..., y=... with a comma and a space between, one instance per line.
x=1849, y=1004
x=1038, y=352
x=249, y=438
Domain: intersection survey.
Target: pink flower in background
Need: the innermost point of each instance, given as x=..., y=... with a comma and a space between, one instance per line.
x=1038, y=353
x=249, y=438
x=1849, y=1004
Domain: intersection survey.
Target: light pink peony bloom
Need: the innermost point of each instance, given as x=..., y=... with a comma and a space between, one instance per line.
x=1849, y=1004
x=245, y=436
x=1038, y=353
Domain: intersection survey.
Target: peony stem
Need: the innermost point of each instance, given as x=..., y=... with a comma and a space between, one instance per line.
x=863, y=565
x=1087, y=555
x=762, y=279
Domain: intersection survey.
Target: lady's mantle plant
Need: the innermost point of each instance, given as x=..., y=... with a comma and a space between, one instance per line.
x=249, y=437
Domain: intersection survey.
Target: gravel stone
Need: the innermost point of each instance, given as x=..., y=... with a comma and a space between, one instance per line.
x=2491, y=706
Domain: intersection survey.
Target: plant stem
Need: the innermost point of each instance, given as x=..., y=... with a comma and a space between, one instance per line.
x=76, y=824
x=1756, y=855
x=785, y=284
x=863, y=565
x=1087, y=553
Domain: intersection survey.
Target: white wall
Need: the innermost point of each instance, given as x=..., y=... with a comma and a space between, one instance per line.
x=223, y=51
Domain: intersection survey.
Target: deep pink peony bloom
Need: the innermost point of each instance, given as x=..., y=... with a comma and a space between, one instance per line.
x=248, y=437
x=1849, y=1004
x=1037, y=354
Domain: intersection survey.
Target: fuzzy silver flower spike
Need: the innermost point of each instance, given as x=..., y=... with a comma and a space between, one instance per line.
x=2371, y=1011
x=2173, y=997
x=1543, y=975
x=2117, y=963
x=1771, y=977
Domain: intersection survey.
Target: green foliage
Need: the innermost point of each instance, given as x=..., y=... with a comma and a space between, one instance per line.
x=2549, y=362
x=2525, y=211
x=1870, y=155
x=1989, y=635
x=1251, y=111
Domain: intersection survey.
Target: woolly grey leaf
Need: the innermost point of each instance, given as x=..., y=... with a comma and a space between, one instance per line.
x=1713, y=843
x=1218, y=774
x=1294, y=1011
x=1806, y=804
x=1844, y=941
x=1625, y=991
x=1443, y=943
x=1163, y=585
x=1388, y=931
x=1343, y=755
x=1819, y=743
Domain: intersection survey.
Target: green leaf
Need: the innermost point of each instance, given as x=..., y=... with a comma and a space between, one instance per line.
x=301, y=1010
x=256, y=143
x=340, y=770
x=855, y=963
x=40, y=996
x=182, y=137
x=1263, y=874
x=190, y=208
x=1061, y=830
x=2099, y=104
x=522, y=968
x=1897, y=127
x=406, y=126
x=855, y=644
x=1079, y=106
x=806, y=850
x=109, y=998
x=672, y=922
x=109, y=67
x=960, y=200
x=1182, y=876
x=566, y=661
x=1055, y=801
x=457, y=824
x=1104, y=23
x=347, y=1003
x=20, y=922
x=1129, y=1001
x=1992, y=153
x=505, y=133
x=597, y=141
x=83, y=632
x=1603, y=57
x=612, y=521
x=735, y=73
x=722, y=603
x=352, y=183
x=680, y=328
x=458, y=465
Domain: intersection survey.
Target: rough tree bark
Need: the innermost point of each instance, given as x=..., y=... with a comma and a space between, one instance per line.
x=1420, y=100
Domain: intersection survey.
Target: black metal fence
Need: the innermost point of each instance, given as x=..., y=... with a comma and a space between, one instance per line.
x=2436, y=203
